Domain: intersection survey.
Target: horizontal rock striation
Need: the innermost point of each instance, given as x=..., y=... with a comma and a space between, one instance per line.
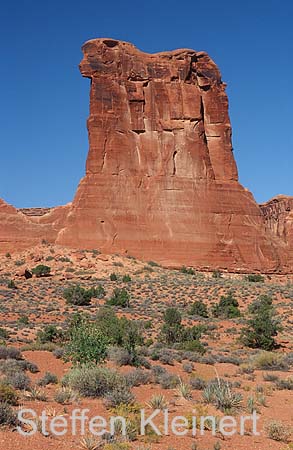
x=35, y=212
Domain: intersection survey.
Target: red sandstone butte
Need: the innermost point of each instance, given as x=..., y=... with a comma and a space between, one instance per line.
x=278, y=213
x=19, y=230
x=161, y=181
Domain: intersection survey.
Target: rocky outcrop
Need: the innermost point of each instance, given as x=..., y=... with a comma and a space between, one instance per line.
x=35, y=212
x=278, y=213
x=161, y=181
x=16, y=231
x=19, y=231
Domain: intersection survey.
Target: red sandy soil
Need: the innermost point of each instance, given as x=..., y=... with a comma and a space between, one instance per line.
x=42, y=302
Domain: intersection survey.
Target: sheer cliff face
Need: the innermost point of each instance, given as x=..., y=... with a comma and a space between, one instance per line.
x=156, y=115
x=278, y=213
x=161, y=181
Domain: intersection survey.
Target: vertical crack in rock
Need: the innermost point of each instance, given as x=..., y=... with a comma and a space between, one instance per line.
x=174, y=163
x=114, y=239
x=202, y=113
x=104, y=153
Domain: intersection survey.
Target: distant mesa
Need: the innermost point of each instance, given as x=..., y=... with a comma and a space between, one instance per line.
x=161, y=180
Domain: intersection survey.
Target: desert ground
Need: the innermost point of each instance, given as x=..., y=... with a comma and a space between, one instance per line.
x=45, y=365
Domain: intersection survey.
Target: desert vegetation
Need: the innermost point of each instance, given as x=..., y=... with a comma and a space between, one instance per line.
x=117, y=335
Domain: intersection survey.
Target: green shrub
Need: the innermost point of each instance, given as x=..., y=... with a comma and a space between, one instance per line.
x=50, y=333
x=197, y=383
x=153, y=264
x=198, y=308
x=3, y=333
x=113, y=277
x=18, y=380
x=217, y=274
x=93, y=381
x=187, y=270
x=117, y=329
x=48, y=378
x=123, y=333
x=278, y=431
x=10, y=353
x=120, y=395
x=262, y=327
x=262, y=302
x=255, y=278
x=11, y=285
x=269, y=361
x=138, y=377
x=287, y=383
x=227, y=308
x=120, y=297
x=193, y=346
x=168, y=381
x=171, y=330
x=111, y=326
x=8, y=395
x=78, y=296
x=86, y=342
x=97, y=292
x=7, y=415
x=23, y=320
x=41, y=271
x=126, y=278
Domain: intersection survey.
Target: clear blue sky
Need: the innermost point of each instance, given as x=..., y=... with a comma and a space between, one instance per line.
x=44, y=99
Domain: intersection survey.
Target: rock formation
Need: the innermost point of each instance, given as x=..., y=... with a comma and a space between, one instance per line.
x=161, y=181
x=19, y=231
x=278, y=213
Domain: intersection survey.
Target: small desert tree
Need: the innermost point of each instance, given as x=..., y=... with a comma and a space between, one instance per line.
x=120, y=332
x=174, y=332
x=227, y=308
x=172, y=329
x=199, y=308
x=263, y=325
x=77, y=295
x=86, y=343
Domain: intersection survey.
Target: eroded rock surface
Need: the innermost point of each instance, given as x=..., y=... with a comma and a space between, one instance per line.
x=19, y=231
x=161, y=180
x=278, y=213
